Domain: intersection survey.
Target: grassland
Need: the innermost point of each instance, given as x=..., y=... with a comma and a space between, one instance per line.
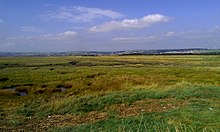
x=110, y=93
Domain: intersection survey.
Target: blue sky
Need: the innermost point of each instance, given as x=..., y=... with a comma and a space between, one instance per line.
x=97, y=25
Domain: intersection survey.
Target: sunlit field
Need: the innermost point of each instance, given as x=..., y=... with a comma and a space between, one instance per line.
x=110, y=93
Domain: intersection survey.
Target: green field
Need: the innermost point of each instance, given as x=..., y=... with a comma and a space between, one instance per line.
x=110, y=93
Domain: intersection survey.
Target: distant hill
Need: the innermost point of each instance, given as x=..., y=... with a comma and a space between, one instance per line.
x=192, y=51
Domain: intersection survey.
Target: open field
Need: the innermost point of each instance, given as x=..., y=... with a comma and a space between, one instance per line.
x=110, y=93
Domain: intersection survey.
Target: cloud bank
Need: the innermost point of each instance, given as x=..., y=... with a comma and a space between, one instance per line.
x=134, y=39
x=67, y=36
x=45, y=42
x=125, y=24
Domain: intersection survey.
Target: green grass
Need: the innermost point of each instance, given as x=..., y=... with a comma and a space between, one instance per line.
x=100, y=89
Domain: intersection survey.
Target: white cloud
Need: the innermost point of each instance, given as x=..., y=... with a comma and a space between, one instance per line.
x=80, y=14
x=30, y=29
x=95, y=12
x=170, y=34
x=134, y=39
x=130, y=23
x=1, y=20
x=67, y=36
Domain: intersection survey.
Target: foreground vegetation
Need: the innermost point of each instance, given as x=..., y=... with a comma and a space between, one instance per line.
x=110, y=93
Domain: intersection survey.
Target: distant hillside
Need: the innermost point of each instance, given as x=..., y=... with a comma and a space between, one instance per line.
x=200, y=51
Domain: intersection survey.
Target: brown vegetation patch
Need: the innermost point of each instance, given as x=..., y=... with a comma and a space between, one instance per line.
x=68, y=85
x=64, y=120
x=146, y=106
x=47, y=90
x=8, y=92
x=95, y=75
x=74, y=62
x=123, y=110
x=143, y=106
x=28, y=84
x=23, y=89
x=64, y=72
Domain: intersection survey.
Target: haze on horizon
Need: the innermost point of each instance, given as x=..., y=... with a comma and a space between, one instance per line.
x=94, y=25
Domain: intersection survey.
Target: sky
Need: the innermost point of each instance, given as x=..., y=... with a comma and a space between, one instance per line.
x=110, y=25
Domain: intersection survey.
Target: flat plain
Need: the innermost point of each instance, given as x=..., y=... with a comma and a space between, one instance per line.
x=110, y=93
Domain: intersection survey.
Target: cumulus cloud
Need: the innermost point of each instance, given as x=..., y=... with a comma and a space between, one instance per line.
x=80, y=14
x=130, y=23
x=30, y=29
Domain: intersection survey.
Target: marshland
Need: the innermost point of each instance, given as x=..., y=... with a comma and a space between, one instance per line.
x=110, y=93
